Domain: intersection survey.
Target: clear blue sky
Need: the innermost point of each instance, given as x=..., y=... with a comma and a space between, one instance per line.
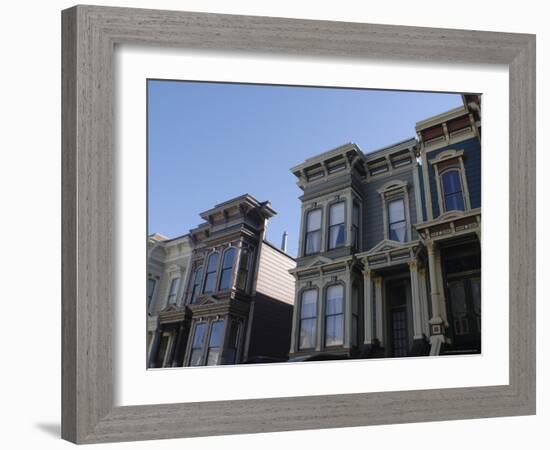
x=210, y=142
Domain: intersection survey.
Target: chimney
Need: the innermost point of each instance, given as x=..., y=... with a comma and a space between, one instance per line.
x=283, y=243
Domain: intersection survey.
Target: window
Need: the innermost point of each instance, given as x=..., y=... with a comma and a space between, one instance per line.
x=198, y=344
x=308, y=319
x=173, y=292
x=397, y=222
x=336, y=229
x=355, y=227
x=334, y=316
x=230, y=355
x=151, y=284
x=313, y=232
x=244, y=263
x=227, y=268
x=161, y=351
x=196, y=285
x=452, y=191
x=214, y=344
x=211, y=272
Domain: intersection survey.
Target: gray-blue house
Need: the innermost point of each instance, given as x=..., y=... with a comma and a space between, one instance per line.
x=389, y=259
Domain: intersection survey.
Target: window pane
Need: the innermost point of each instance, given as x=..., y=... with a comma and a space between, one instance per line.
x=228, y=258
x=454, y=202
x=200, y=332
x=151, y=282
x=196, y=283
x=397, y=231
x=307, y=333
x=174, y=286
x=334, y=330
x=336, y=236
x=209, y=282
x=161, y=352
x=314, y=220
x=198, y=344
x=337, y=213
x=214, y=343
x=243, y=269
x=309, y=304
x=173, y=290
x=313, y=242
x=216, y=333
x=335, y=298
x=213, y=354
x=195, y=357
x=213, y=262
x=451, y=182
x=396, y=210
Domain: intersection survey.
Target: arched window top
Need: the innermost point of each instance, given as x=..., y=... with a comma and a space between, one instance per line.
x=197, y=278
x=211, y=272
x=313, y=231
x=228, y=257
x=227, y=268
x=212, y=261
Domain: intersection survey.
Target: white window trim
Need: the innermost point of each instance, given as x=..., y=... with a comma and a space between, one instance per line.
x=393, y=190
x=446, y=156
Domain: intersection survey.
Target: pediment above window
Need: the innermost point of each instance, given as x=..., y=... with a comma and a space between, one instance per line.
x=319, y=261
x=386, y=245
x=446, y=155
x=393, y=185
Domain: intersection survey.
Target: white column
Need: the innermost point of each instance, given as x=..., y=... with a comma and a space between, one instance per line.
x=424, y=301
x=434, y=291
x=348, y=313
x=368, y=307
x=436, y=322
x=415, y=294
x=379, y=310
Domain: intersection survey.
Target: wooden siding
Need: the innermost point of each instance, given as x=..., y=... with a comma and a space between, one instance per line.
x=273, y=278
x=271, y=327
x=373, y=214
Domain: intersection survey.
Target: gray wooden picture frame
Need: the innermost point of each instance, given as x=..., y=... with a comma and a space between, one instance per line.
x=90, y=34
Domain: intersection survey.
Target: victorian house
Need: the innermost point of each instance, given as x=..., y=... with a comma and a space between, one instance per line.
x=389, y=261
x=231, y=301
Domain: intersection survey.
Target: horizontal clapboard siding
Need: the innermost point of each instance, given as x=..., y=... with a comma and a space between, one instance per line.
x=273, y=277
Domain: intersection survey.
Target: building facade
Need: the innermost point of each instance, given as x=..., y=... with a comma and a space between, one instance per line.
x=389, y=261
x=236, y=299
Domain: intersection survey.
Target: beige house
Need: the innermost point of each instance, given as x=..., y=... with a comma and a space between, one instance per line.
x=167, y=269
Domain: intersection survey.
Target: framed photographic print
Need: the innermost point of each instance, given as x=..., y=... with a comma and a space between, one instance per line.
x=282, y=217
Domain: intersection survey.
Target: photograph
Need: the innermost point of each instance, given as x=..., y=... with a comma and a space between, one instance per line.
x=310, y=223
